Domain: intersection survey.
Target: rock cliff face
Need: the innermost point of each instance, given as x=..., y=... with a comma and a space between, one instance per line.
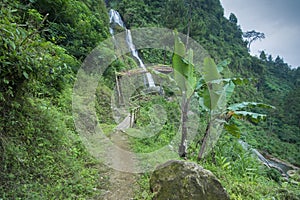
x=180, y=180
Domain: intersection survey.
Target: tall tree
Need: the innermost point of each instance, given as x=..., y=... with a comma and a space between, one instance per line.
x=263, y=56
x=279, y=61
x=233, y=18
x=252, y=36
x=270, y=58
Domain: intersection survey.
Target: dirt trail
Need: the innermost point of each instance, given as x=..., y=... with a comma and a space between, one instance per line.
x=122, y=184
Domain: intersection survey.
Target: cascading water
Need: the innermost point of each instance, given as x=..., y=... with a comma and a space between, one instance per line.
x=255, y=152
x=136, y=55
x=115, y=19
x=270, y=163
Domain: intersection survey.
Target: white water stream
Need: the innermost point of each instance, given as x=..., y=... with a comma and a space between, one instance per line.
x=115, y=19
x=269, y=163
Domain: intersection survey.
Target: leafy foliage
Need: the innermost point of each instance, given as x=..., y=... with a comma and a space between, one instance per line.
x=41, y=156
x=212, y=96
x=183, y=67
x=76, y=25
x=165, y=133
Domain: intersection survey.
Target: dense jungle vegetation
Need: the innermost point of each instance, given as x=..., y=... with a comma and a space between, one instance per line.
x=43, y=44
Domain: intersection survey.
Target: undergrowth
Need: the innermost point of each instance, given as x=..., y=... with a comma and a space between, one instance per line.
x=240, y=173
x=43, y=156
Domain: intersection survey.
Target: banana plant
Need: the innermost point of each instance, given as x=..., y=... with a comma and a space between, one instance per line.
x=213, y=92
x=185, y=78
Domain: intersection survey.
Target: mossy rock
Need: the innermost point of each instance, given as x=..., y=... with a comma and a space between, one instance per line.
x=180, y=180
x=294, y=174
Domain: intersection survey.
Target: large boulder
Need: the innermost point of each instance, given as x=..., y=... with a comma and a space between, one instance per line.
x=180, y=180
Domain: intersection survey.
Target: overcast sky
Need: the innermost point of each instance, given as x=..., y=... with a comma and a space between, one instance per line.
x=279, y=20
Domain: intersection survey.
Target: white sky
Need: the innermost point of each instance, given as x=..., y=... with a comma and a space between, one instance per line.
x=279, y=20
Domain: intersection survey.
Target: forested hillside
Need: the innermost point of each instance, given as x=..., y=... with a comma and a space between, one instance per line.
x=43, y=44
x=273, y=81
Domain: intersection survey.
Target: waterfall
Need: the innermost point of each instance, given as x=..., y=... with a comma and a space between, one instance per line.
x=115, y=19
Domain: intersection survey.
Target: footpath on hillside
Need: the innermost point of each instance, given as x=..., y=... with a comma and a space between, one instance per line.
x=122, y=184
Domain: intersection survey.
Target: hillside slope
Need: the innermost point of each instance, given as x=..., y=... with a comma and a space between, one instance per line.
x=42, y=45
x=273, y=81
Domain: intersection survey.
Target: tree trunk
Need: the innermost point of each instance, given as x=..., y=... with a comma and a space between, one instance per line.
x=184, y=111
x=204, y=142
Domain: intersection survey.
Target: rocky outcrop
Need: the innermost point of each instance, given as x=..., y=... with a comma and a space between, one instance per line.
x=180, y=180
